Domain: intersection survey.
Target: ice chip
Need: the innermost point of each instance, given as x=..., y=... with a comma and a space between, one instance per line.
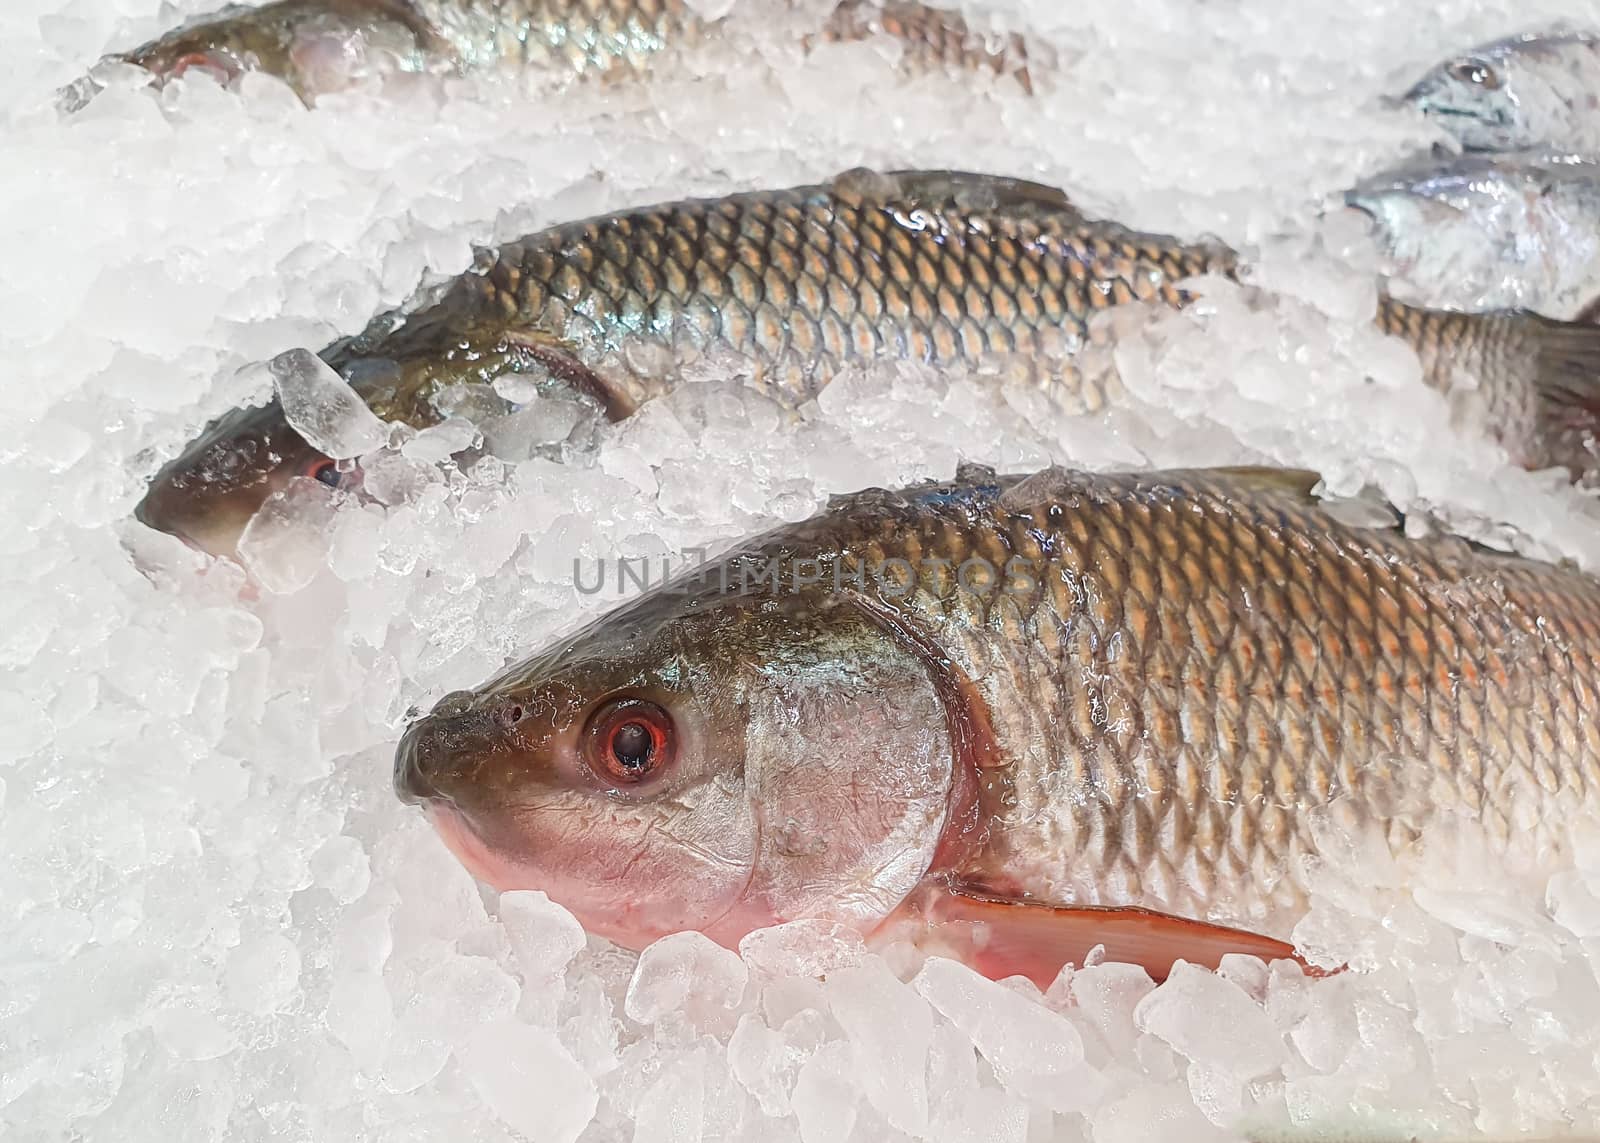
x=1030, y=1047
x=890, y=1029
x=673, y=1108
x=320, y=406
x=360, y=1015
x=688, y=973
x=529, y=1081
x=192, y=1033
x=1213, y=1022
x=825, y=1096
x=284, y=545
x=544, y=936
x=440, y=442
x=806, y=947
x=263, y=973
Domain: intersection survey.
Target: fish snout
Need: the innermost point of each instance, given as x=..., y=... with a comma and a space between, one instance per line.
x=441, y=752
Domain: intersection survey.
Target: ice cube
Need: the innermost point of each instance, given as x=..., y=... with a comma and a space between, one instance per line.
x=1212, y=1022
x=321, y=406
x=544, y=936
x=284, y=545
x=890, y=1029
x=688, y=973
x=1031, y=1048
x=440, y=442
x=826, y=1096
x=672, y=1110
x=806, y=947
x=529, y=1081
x=263, y=973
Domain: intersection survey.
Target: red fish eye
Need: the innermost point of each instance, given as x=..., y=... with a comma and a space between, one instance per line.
x=627, y=740
x=324, y=470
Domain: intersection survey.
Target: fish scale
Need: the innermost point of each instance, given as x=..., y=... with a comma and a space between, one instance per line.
x=1377, y=627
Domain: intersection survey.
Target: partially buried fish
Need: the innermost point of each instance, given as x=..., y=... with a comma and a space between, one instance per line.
x=790, y=287
x=1492, y=230
x=1538, y=89
x=1012, y=718
x=322, y=46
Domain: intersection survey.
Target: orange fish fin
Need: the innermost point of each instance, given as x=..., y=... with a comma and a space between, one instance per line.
x=564, y=367
x=1001, y=937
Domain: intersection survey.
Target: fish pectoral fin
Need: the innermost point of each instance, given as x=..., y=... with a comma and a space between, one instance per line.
x=1001, y=937
x=559, y=361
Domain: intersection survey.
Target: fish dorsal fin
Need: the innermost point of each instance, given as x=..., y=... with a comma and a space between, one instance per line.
x=1299, y=483
x=963, y=189
x=1290, y=488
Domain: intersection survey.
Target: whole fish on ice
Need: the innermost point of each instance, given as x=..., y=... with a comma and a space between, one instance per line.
x=790, y=287
x=1538, y=89
x=322, y=46
x=1016, y=717
x=1489, y=231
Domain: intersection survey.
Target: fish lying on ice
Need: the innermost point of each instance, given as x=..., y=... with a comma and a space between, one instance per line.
x=1012, y=718
x=1538, y=89
x=789, y=287
x=322, y=46
x=1486, y=231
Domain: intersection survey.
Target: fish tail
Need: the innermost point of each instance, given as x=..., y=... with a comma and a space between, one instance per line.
x=1567, y=378
x=1566, y=387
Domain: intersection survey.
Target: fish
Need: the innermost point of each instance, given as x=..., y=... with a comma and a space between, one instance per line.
x=1011, y=718
x=318, y=47
x=1491, y=231
x=788, y=288
x=1533, y=90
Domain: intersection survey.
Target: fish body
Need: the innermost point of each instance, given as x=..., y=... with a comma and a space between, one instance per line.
x=1538, y=89
x=961, y=271
x=1015, y=717
x=322, y=46
x=1490, y=231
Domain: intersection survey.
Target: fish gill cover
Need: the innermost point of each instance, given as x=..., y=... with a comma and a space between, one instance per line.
x=216, y=922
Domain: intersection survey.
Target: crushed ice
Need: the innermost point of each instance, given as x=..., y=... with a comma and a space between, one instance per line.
x=218, y=922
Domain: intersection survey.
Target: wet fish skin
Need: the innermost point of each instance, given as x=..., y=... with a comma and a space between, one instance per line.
x=790, y=287
x=1140, y=724
x=1492, y=231
x=1537, y=89
x=315, y=46
x=321, y=46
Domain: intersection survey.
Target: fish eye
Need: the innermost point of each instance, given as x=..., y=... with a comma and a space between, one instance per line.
x=627, y=740
x=1478, y=73
x=324, y=470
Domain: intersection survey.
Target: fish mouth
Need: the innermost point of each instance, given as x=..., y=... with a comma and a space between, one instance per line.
x=440, y=749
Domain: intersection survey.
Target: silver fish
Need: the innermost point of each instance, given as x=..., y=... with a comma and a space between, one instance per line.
x=1538, y=89
x=1492, y=231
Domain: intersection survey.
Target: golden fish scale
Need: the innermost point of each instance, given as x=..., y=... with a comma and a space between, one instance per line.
x=1205, y=660
x=793, y=286
x=1494, y=355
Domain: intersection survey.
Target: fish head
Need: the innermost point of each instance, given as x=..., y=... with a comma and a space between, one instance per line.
x=703, y=760
x=209, y=492
x=1513, y=94
x=314, y=46
x=1444, y=221
x=1474, y=97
